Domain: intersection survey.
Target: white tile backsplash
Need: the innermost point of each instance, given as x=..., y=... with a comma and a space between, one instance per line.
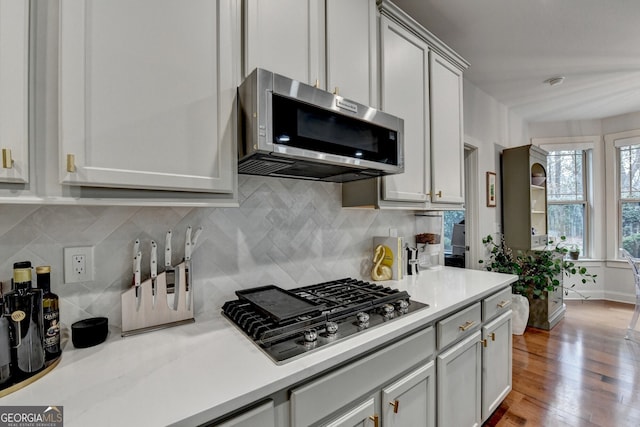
x=286, y=232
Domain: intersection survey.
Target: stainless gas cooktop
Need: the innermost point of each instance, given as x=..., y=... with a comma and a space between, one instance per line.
x=289, y=323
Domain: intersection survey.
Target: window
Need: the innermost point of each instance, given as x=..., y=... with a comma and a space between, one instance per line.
x=567, y=196
x=629, y=198
x=451, y=218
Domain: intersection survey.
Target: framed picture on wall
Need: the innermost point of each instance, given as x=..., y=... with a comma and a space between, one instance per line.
x=491, y=189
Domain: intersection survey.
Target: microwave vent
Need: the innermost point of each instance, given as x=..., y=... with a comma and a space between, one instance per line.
x=261, y=166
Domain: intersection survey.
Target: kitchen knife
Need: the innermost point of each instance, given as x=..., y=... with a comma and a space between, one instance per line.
x=136, y=278
x=154, y=269
x=136, y=249
x=170, y=273
x=187, y=265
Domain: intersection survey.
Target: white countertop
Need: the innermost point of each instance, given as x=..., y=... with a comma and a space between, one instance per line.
x=194, y=373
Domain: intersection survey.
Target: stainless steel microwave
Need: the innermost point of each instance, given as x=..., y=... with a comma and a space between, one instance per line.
x=294, y=130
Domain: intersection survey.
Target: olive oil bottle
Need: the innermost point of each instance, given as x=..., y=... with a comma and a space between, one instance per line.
x=50, y=314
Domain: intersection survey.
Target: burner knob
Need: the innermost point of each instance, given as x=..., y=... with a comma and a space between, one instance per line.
x=387, y=310
x=332, y=328
x=310, y=335
x=363, y=318
x=403, y=305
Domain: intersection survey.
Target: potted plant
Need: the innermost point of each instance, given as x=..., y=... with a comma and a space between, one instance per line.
x=574, y=251
x=539, y=272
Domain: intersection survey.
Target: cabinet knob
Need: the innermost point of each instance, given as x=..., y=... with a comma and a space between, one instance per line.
x=493, y=336
x=375, y=419
x=395, y=405
x=336, y=91
x=439, y=193
x=466, y=325
x=71, y=163
x=317, y=84
x=484, y=342
x=7, y=161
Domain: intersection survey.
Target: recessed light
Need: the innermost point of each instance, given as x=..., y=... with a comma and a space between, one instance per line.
x=554, y=81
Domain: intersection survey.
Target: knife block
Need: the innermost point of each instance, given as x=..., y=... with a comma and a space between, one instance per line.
x=143, y=316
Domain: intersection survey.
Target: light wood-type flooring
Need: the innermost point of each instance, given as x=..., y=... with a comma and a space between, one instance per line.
x=581, y=373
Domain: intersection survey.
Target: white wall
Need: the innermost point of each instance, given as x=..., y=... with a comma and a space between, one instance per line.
x=489, y=127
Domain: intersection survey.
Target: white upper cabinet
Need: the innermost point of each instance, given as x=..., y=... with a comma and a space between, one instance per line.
x=405, y=93
x=286, y=37
x=420, y=82
x=14, y=48
x=146, y=93
x=352, y=49
x=328, y=43
x=447, y=146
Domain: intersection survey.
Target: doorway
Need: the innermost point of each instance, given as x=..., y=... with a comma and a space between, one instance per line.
x=460, y=226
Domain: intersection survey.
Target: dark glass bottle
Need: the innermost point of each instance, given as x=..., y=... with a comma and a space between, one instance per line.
x=50, y=314
x=5, y=347
x=24, y=307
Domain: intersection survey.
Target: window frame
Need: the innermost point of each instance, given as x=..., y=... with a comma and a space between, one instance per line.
x=584, y=202
x=614, y=201
x=589, y=145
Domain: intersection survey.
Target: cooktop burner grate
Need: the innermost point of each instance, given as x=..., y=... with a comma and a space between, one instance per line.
x=289, y=323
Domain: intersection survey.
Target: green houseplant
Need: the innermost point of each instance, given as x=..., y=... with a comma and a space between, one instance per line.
x=539, y=275
x=538, y=272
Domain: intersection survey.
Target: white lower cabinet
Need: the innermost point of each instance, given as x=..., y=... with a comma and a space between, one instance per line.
x=459, y=383
x=363, y=415
x=343, y=396
x=496, y=363
x=260, y=416
x=410, y=401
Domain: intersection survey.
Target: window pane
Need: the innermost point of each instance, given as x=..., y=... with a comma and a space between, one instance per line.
x=451, y=218
x=568, y=220
x=565, y=176
x=631, y=227
x=630, y=172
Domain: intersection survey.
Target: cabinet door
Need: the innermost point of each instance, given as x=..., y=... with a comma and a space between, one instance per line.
x=411, y=400
x=459, y=375
x=405, y=93
x=362, y=415
x=447, y=146
x=351, y=49
x=286, y=37
x=14, y=48
x=261, y=416
x=496, y=363
x=146, y=94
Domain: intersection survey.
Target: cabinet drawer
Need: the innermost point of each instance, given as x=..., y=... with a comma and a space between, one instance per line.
x=314, y=401
x=496, y=304
x=458, y=325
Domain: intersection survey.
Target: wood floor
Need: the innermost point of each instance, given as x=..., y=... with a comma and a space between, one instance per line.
x=581, y=373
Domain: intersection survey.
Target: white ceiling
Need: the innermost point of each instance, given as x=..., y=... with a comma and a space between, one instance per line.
x=513, y=46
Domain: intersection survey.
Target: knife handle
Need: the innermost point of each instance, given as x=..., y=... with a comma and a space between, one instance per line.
x=167, y=250
x=154, y=259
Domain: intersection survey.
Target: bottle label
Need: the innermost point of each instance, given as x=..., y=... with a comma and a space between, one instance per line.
x=18, y=316
x=52, y=330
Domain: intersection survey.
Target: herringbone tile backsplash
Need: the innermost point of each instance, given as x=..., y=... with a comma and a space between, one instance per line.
x=285, y=232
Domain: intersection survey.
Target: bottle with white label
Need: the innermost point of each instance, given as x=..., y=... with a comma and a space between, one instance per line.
x=50, y=314
x=24, y=307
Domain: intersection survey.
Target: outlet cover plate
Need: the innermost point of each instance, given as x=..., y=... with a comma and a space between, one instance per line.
x=70, y=274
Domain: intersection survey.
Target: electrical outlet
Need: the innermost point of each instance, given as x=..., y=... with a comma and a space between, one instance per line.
x=78, y=264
